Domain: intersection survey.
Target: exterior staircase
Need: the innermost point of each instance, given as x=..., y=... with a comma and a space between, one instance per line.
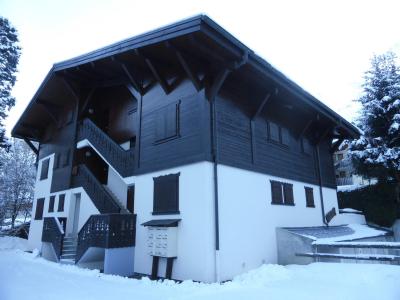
x=113, y=154
x=116, y=199
x=68, y=252
x=103, y=201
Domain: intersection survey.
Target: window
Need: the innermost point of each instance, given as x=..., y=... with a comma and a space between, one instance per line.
x=306, y=147
x=309, y=196
x=57, y=158
x=51, y=203
x=39, y=209
x=278, y=134
x=167, y=123
x=66, y=156
x=282, y=193
x=44, y=171
x=61, y=200
x=273, y=131
x=340, y=156
x=166, y=194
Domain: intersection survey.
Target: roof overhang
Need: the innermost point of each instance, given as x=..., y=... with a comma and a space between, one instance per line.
x=199, y=37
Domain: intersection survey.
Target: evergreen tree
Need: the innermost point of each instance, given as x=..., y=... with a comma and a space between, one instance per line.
x=377, y=151
x=9, y=56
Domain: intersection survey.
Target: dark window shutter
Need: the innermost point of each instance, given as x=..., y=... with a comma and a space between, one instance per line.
x=44, y=172
x=166, y=194
x=306, y=146
x=167, y=122
x=66, y=158
x=57, y=158
x=39, y=209
x=285, y=136
x=276, y=192
x=61, y=200
x=51, y=203
x=288, y=193
x=309, y=197
x=273, y=130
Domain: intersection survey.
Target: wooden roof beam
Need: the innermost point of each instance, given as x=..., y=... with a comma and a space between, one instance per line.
x=335, y=146
x=136, y=84
x=87, y=100
x=32, y=146
x=157, y=75
x=198, y=84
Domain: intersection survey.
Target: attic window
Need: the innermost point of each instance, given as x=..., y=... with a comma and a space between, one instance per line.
x=278, y=134
x=167, y=123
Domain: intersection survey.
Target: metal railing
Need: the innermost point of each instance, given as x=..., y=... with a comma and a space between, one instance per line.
x=103, y=201
x=53, y=233
x=344, y=181
x=122, y=160
x=107, y=231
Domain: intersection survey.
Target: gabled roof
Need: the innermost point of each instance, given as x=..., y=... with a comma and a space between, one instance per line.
x=191, y=35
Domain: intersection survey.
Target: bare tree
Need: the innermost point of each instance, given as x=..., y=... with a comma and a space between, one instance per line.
x=17, y=179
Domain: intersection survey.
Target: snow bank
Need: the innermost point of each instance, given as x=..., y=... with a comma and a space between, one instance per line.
x=12, y=242
x=22, y=275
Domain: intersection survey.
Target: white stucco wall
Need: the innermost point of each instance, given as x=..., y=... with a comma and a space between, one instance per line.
x=117, y=186
x=247, y=219
x=42, y=190
x=196, y=244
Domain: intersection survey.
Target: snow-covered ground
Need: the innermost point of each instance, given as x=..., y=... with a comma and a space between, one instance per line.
x=26, y=276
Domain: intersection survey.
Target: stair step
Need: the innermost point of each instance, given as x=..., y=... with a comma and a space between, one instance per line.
x=68, y=256
x=72, y=251
x=67, y=261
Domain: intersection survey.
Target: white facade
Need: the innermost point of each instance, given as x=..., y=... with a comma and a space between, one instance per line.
x=247, y=219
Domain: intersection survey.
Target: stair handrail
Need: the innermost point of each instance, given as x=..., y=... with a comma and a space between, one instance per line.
x=122, y=160
x=53, y=233
x=84, y=178
x=106, y=231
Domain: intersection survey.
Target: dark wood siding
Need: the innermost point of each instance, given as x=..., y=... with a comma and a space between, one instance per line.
x=185, y=134
x=276, y=149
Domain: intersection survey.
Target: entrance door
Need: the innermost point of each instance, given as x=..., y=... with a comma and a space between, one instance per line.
x=76, y=214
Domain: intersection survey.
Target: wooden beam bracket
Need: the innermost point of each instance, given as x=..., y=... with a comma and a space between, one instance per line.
x=32, y=146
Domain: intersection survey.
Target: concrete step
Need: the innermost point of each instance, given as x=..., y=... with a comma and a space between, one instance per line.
x=72, y=251
x=67, y=261
x=68, y=256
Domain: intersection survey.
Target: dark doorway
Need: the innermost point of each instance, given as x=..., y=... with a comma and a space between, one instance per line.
x=130, y=200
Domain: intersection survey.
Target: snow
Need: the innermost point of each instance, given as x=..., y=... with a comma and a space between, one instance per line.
x=360, y=231
x=24, y=275
x=10, y=242
x=349, y=188
x=350, y=210
x=362, y=244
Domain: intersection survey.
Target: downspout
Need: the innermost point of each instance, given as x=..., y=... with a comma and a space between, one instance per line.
x=214, y=145
x=321, y=196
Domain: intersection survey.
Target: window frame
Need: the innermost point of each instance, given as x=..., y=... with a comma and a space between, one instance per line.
x=52, y=201
x=61, y=203
x=162, y=121
x=39, y=209
x=157, y=202
x=45, y=164
x=285, y=195
x=309, y=192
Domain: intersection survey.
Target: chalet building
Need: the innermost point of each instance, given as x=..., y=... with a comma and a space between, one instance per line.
x=176, y=153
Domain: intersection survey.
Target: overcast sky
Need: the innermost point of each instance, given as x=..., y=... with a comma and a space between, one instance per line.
x=324, y=46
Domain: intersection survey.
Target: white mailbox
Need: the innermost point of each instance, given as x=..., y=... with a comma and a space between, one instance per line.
x=162, y=241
